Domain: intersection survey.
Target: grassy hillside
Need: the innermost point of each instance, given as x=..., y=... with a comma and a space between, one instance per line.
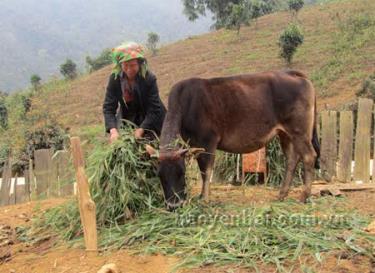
x=338, y=54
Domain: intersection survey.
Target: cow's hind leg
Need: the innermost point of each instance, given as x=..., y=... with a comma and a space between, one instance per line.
x=292, y=160
x=307, y=153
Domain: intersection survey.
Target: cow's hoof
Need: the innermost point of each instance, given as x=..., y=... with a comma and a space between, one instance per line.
x=204, y=198
x=281, y=198
x=303, y=198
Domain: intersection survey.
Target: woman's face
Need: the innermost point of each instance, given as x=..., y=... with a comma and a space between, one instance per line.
x=130, y=68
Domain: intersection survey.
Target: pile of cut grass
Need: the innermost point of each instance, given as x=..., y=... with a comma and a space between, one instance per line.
x=123, y=179
x=278, y=234
x=123, y=184
x=281, y=234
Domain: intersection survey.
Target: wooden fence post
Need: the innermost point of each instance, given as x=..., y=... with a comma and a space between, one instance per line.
x=54, y=178
x=6, y=182
x=344, y=168
x=20, y=192
x=65, y=173
x=87, y=207
x=329, y=144
x=43, y=171
x=363, y=141
x=26, y=175
x=12, y=196
x=32, y=186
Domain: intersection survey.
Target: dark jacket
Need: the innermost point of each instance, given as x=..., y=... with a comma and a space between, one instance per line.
x=146, y=95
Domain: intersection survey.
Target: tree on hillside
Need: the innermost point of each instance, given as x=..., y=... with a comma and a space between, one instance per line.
x=3, y=114
x=290, y=39
x=69, y=69
x=295, y=6
x=4, y=153
x=105, y=58
x=35, y=81
x=240, y=14
x=256, y=11
x=26, y=102
x=221, y=9
x=3, y=94
x=152, y=40
x=51, y=135
x=260, y=8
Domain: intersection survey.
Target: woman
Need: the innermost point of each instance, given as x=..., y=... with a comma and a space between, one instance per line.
x=132, y=87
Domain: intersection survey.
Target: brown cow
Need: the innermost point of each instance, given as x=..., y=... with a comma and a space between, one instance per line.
x=238, y=114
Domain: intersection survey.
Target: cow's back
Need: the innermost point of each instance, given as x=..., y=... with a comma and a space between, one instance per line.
x=244, y=110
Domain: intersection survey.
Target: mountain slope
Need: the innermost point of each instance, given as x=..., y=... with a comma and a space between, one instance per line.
x=38, y=35
x=337, y=54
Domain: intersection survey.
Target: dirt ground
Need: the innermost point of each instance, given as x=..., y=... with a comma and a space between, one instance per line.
x=18, y=257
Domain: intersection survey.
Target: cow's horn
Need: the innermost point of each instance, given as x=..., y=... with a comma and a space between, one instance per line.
x=181, y=152
x=196, y=151
x=151, y=151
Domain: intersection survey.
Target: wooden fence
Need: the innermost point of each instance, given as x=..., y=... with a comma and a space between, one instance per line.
x=345, y=137
x=50, y=175
x=347, y=143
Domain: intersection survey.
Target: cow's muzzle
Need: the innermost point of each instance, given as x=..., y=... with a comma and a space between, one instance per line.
x=173, y=206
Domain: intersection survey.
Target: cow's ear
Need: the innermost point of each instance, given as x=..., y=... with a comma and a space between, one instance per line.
x=151, y=151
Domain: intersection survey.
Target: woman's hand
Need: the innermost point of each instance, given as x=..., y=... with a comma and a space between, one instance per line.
x=113, y=135
x=138, y=133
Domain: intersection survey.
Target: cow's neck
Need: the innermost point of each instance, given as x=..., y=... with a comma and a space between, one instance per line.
x=170, y=132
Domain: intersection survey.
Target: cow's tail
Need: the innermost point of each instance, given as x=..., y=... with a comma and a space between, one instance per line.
x=315, y=138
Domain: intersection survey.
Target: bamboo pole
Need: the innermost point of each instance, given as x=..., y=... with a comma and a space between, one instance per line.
x=87, y=207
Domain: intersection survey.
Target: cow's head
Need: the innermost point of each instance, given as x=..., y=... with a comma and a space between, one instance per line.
x=171, y=171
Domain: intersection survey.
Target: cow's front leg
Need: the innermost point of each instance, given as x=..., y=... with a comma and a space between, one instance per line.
x=206, y=163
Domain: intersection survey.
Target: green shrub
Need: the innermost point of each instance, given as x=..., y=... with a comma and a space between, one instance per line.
x=152, y=40
x=69, y=69
x=4, y=154
x=3, y=115
x=295, y=5
x=368, y=88
x=105, y=58
x=49, y=136
x=35, y=81
x=290, y=39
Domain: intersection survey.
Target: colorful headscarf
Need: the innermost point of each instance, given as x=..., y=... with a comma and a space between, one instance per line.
x=126, y=52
